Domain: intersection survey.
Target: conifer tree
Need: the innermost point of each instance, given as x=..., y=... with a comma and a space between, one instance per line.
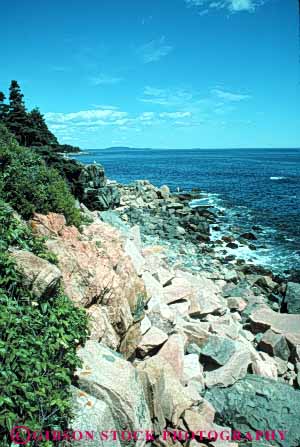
x=3, y=107
x=17, y=117
x=41, y=135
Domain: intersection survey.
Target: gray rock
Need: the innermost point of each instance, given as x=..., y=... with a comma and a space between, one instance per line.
x=235, y=369
x=292, y=298
x=164, y=192
x=275, y=345
x=112, y=218
x=101, y=199
x=264, y=318
x=231, y=276
x=258, y=403
x=92, y=415
x=92, y=176
x=281, y=366
x=217, y=350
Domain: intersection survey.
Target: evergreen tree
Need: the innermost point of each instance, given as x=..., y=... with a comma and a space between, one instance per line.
x=17, y=118
x=29, y=128
x=41, y=135
x=3, y=107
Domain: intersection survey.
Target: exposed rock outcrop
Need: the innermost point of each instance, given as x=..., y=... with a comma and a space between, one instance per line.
x=97, y=275
x=39, y=275
x=258, y=403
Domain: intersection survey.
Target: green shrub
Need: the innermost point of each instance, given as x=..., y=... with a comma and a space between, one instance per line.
x=29, y=186
x=15, y=233
x=38, y=341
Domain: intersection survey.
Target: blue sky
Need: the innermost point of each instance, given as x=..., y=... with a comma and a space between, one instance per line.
x=157, y=73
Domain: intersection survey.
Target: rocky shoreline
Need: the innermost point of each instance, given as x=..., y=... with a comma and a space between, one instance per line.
x=185, y=336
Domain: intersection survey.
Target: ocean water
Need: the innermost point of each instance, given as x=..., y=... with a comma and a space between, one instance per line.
x=252, y=187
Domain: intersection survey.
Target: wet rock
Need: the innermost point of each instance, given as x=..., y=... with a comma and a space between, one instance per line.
x=257, y=403
x=38, y=275
x=231, y=276
x=232, y=245
x=249, y=236
x=266, y=283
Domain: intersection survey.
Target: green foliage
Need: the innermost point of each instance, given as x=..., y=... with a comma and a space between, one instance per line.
x=7, y=139
x=68, y=169
x=38, y=341
x=40, y=134
x=15, y=233
x=29, y=128
x=29, y=186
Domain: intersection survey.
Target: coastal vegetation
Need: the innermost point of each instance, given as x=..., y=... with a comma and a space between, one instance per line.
x=29, y=128
x=39, y=335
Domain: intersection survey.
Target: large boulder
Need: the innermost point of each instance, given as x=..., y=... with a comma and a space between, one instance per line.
x=92, y=176
x=264, y=318
x=102, y=199
x=96, y=273
x=151, y=341
x=203, y=294
x=217, y=350
x=107, y=377
x=275, y=345
x=167, y=399
x=173, y=352
x=259, y=404
x=92, y=415
x=38, y=275
x=292, y=298
x=234, y=369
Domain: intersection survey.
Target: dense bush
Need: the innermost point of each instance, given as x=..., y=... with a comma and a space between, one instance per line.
x=69, y=169
x=30, y=186
x=38, y=340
